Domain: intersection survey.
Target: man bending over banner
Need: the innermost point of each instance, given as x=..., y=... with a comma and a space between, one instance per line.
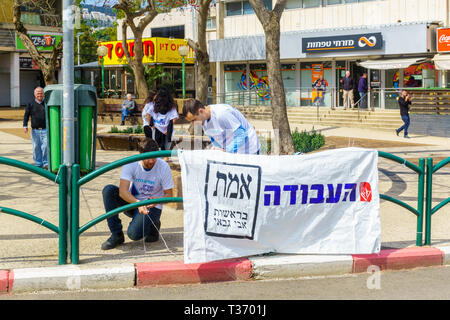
x=225, y=125
x=141, y=180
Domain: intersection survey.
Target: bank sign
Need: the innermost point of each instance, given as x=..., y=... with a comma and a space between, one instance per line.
x=352, y=42
x=241, y=205
x=156, y=50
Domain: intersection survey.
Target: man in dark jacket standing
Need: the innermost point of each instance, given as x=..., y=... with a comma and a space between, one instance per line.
x=347, y=86
x=362, y=89
x=404, y=102
x=36, y=110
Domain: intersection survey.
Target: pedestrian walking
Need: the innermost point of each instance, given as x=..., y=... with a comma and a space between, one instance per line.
x=404, y=101
x=141, y=180
x=225, y=125
x=36, y=110
x=128, y=106
x=347, y=87
x=362, y=89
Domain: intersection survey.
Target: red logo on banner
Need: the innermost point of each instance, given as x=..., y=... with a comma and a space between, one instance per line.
x=365, y=192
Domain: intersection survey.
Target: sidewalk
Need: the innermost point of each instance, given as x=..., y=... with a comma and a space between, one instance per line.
x=29, y=249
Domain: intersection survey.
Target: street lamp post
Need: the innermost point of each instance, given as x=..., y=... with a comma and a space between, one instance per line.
x=183, y=51
x=101, y=52
x=78, y=45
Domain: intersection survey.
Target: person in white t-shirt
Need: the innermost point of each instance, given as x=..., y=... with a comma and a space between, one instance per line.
x=225, y=125
x=141, y=180
x=163, y=114
x=146, y=118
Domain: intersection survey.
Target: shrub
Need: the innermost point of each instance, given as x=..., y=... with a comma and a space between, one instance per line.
x=127, y=130
x=114, y=129
x=307, y=141
x=139, y=129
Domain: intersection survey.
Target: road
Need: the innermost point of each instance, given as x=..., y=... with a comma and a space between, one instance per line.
x=422, y=283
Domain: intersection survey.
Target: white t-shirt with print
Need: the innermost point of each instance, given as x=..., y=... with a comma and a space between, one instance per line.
x=144, y=113
x=148, y=183
x=161, y=121
x=224, y=121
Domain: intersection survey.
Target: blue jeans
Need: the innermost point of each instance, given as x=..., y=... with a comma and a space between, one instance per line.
x=125, y=113
x=363, y=101
x=135, y=231
x=39, y=142
x=405, y=126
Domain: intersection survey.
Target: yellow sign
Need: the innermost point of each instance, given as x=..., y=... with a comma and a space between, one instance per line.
x=156, y=50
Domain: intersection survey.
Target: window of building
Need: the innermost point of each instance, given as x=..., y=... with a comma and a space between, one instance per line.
x=176, y=32
x=331, y=2
x=211, y=24
x=233, y=9
x=244, y=7
x=311, y=3
x=293, y=4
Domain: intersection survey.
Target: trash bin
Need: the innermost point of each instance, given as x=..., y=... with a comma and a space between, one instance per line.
x=85, y=125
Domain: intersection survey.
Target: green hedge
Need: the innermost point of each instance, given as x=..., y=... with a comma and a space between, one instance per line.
x=307, y=141
x=137, y=130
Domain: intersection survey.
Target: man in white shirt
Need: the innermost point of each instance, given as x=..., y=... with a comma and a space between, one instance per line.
x=225, y=125
x=141, y=180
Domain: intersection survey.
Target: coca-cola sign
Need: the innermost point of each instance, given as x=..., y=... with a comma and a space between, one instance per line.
x=443, y=39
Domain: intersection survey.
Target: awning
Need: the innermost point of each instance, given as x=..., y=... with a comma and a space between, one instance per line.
x=442, y=61
x=390, y=64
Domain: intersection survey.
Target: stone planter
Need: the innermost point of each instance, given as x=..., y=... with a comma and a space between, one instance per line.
x=119, y=141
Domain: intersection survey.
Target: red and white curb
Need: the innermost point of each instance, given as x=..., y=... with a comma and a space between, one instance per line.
x=128, y=275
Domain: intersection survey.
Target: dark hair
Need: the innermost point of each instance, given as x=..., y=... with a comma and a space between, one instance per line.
x=192, y=106
x=151, y=96
x=148, y=145
x=163, y=101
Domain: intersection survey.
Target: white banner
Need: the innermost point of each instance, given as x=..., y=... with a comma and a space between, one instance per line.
x=242, y=205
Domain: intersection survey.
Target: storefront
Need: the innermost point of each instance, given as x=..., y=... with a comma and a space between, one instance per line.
x=307, y=56
x=158, y=52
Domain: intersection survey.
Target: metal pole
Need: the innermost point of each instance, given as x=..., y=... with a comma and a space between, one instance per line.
x=68, y=114
x=428, y=200
x=103, y=80
x=78, y=48
x=183, y=71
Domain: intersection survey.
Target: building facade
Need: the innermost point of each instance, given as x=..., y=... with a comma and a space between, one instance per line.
x=393, y=41
x=17, y=69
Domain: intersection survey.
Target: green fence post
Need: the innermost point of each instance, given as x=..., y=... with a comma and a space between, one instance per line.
x=75, y=237
x=62, y=214
x=420, y=194
x=428, y=201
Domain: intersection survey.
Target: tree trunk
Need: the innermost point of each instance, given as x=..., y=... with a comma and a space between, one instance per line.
x=136, y=62
x=270, y=21
x=280, y=119
x=201, y=53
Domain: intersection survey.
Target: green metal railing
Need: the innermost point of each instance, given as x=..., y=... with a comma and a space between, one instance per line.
x=420, y=170
x=77, y=182
x=429, y=196
x=60, y=179
x=70, y=189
